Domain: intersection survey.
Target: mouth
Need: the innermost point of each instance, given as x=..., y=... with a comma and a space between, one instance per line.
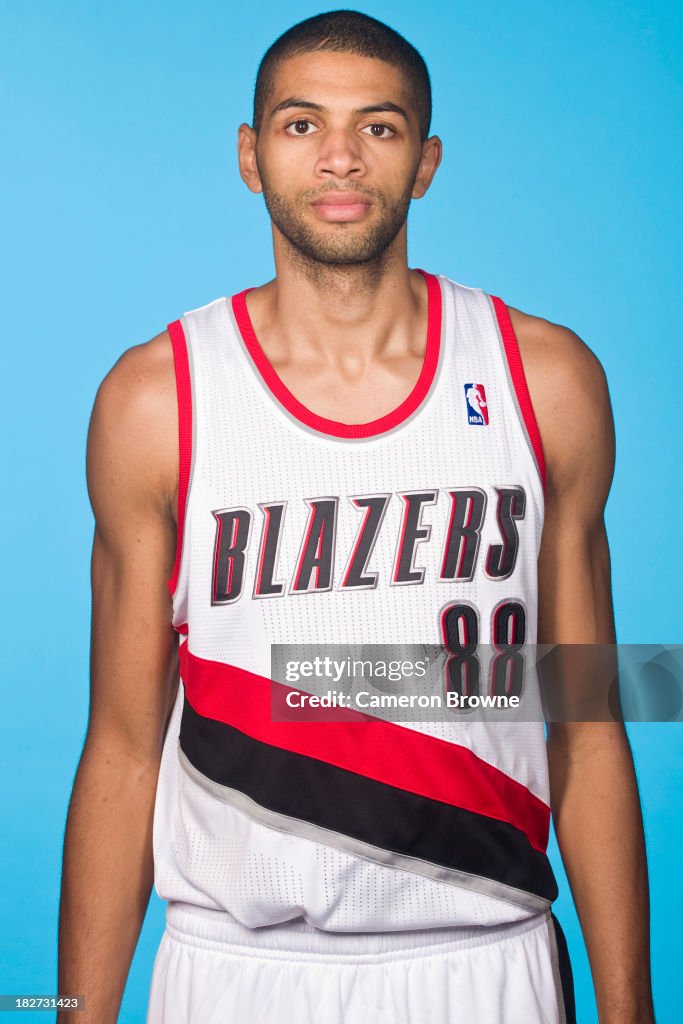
x=341, y=206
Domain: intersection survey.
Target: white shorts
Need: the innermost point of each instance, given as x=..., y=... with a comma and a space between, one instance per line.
x=211, y=969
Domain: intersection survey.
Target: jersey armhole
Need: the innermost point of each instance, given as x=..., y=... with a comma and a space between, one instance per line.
x=184, y=395
x=519, y=386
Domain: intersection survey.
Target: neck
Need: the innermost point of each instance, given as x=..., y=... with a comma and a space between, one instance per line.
x=318, y=311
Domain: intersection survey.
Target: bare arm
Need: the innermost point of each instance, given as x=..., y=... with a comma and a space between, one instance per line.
x=107, y=871
x=594, y=794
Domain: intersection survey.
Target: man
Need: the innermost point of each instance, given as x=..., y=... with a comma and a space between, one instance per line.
x=354, y=452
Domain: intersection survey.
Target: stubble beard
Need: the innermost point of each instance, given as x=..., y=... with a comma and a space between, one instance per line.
x=342, y=250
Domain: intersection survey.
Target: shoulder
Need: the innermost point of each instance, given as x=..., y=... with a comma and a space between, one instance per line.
x=570, y=395
x=141, y=372
x=133, y=426
x=557, y=352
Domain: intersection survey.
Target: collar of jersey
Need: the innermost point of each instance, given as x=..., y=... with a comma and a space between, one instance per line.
x=335, y=428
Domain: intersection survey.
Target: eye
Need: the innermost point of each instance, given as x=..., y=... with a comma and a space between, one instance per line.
x=301, y=122
x=382, y=128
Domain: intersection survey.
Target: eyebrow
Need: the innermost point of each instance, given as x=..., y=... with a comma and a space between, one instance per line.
x=378, y=108
x=374, y=108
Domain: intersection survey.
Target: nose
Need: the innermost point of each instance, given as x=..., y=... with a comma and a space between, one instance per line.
x=340, y=154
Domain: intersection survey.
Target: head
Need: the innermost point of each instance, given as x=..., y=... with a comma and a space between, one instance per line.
x=340, y=138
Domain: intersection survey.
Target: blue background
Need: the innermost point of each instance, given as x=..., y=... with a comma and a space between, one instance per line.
x=122, y=208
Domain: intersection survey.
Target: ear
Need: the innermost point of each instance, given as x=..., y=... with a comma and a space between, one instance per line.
x=246, y=157
x=431, y=158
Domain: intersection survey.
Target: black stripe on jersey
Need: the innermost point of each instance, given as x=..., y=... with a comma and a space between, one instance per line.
x=373, y=812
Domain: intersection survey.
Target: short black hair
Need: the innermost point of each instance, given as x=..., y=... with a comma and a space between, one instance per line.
x=347, y=32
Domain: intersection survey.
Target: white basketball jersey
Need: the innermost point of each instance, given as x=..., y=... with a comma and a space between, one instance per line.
x=420, y=527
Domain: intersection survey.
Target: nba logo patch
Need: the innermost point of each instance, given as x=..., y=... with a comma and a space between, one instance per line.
x=477, y=406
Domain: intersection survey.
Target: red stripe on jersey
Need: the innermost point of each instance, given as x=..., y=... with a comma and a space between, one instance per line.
x=519, y=381
x=360, y=743
x=335, y=427
x=184, y=393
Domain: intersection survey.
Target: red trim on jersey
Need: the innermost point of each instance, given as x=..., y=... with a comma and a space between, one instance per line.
x=335, y=427
x=360, y=743
x=519, y=381
x=184, y=393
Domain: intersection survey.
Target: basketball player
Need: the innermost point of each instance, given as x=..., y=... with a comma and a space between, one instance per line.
x=354, y=452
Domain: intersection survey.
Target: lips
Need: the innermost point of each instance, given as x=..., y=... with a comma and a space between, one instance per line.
x=336, y=206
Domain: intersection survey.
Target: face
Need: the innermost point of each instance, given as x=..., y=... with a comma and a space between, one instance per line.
x=338, y=156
